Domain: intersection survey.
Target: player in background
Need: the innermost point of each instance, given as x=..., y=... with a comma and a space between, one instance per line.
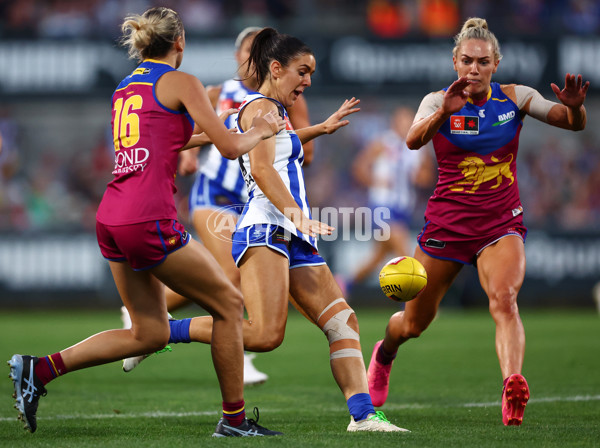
x=154, y=111
x=219, y=192
x=475, y=214
x=391, y=172
x=275, y=245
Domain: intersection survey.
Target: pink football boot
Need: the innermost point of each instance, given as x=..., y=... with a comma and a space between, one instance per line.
x=378, y=377
x=514, y=399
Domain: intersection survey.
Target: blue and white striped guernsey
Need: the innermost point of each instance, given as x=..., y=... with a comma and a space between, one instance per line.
x=217, y=168
x=392, y=171
x=289, y=157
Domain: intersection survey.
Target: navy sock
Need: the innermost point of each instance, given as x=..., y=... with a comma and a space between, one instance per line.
x=180, y=331
x=360, y=406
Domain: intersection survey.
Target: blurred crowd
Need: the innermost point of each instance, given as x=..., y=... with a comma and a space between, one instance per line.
x=60, y=191
x=559, y=180
x=381, y=18
x=50, y=191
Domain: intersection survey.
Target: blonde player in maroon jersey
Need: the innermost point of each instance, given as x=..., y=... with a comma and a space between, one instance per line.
x=475, y=214
x=154, y=110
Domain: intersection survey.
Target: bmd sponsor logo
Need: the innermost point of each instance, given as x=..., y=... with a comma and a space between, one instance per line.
x=505, y=118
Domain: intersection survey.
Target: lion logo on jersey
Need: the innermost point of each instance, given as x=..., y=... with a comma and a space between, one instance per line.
x=476, y=172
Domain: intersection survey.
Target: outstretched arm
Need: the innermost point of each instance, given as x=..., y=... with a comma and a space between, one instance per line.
x=424, y=128
x=571, y=113
x=201, y=138
x=332, y=124
x=568, y=115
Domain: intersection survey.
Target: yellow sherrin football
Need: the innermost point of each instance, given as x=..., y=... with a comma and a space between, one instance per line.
x=402, y=279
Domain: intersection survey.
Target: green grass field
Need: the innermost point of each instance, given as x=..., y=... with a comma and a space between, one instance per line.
x=445, y=387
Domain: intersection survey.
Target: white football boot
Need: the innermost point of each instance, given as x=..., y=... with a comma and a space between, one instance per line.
x=374, y=422
x=252, y=376
x=131, y=363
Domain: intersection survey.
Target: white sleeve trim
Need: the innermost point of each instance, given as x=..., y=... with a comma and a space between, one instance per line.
x=429, y=105
x=538, y=107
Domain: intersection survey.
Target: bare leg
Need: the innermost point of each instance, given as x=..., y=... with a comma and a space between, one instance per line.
x=314, y=288
x=501, y=270
x=193, y=272
x=175, y=301
x=410, y=323
x=201, y=327
x=265, y=289
x=215, y=230
x=420, y=312
x=143, y=296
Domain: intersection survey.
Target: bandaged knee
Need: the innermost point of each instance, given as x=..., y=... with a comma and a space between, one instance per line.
x=344, y=342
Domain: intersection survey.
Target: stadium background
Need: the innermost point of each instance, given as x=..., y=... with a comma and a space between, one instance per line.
x=59, y=64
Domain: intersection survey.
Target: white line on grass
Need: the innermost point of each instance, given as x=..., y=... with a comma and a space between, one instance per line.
x=156, y=414
x=161, y=414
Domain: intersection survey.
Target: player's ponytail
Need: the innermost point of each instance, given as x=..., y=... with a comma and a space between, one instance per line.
x=152, y=34
x=270, y=45
x=477, y=28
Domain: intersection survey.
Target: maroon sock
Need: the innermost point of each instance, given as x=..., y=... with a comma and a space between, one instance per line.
x=383, y=357
x=50, y=367
x=234, y=413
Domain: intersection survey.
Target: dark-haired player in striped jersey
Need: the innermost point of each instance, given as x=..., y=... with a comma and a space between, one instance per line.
x=475, y=214
x=219, y=192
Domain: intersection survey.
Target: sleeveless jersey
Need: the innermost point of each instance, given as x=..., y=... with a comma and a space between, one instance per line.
x=289, y=157
x=476, y=151
x=147, y=139
x=392, y=172
x=217, y=168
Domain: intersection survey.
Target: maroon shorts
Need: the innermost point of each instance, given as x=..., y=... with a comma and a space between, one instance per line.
x=143, y=245
x=440, y=243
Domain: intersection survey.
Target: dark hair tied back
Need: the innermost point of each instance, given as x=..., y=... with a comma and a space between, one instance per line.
x=270, y=45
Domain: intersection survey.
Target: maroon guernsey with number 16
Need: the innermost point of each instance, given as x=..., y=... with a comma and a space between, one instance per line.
x=147, y=139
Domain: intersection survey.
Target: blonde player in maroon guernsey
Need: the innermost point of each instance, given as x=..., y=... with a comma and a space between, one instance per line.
x=154, y=110
x=475, y=214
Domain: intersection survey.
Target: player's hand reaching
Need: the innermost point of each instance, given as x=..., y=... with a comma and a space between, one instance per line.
x=313, y=227
x=456, y=96
x=269, y=124
x=224, y=115
x=334, y=122
x=573, y=95
x=305, y=225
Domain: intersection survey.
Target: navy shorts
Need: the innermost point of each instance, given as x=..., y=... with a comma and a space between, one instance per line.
x=298, y=252
x=206, y=193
